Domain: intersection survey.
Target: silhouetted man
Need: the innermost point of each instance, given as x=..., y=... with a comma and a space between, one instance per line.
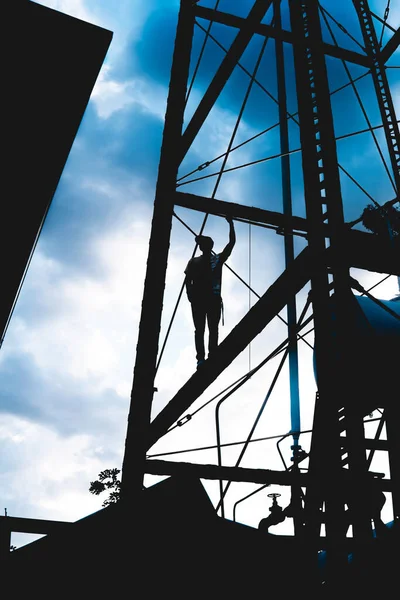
x=203, y=287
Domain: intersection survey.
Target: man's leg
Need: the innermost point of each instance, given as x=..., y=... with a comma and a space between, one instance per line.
x=199, y=320
x=213, y=318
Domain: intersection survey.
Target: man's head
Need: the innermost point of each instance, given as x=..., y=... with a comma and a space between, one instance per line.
x=205, y=243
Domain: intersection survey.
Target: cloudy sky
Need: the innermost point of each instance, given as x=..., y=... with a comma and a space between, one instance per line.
x=67, y=360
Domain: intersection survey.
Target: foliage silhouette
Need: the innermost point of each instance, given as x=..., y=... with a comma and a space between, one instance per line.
x=107, y=481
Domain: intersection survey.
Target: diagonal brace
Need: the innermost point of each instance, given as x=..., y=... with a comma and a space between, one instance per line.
x=391, y=47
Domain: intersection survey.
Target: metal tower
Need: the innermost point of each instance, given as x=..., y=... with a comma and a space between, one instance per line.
x=333, y=248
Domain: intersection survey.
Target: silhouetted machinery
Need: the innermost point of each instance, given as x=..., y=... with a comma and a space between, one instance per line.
x=368, y=355
x=376, y=368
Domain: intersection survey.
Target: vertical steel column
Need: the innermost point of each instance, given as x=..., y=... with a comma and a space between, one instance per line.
x=289, y=256
x=5, y=543
x=323, y=204
x=382, y=89
x=392, y=431
x=358, y=466
x=150, y=321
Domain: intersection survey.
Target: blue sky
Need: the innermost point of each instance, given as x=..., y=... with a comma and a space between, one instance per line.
x=67, y=360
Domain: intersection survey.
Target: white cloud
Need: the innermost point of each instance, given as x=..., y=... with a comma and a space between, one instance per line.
x=110, y=96
x=93, y=321
x=55, y=471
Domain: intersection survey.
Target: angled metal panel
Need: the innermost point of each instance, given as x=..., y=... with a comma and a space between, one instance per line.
x=55, y=60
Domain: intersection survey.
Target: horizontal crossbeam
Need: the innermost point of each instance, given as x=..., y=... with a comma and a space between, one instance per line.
x=240, y=211
x=365, y=250
x=240, y=474
x=369, y=444
x=263, y=476
x=282, y=34
x=38, y=526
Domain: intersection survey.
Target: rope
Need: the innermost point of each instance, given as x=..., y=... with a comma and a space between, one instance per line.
x=341, y=27
x=207, y=32
x=257, y=135
x=385, y=16
x=280, y=155
x=262, y=439
x=387, y=25
x=249, y=254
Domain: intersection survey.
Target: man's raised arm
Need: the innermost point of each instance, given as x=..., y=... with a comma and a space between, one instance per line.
x=226, y=252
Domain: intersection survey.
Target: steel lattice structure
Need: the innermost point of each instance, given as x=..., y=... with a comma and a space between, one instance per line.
x=333, y=248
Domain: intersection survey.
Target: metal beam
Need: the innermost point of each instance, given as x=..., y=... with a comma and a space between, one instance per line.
x=240, y=211
x=390, y=47
x=364, y=250
x=38, y=526
x=370, y=252
x=240, y=474
x=369, y=444
x=281, y=34
x=225, y=70
x=266, y=308
x=264, y=476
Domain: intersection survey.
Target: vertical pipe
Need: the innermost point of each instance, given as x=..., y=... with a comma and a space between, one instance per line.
x=289, y=245
x=150, y=322
x=289, y=258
